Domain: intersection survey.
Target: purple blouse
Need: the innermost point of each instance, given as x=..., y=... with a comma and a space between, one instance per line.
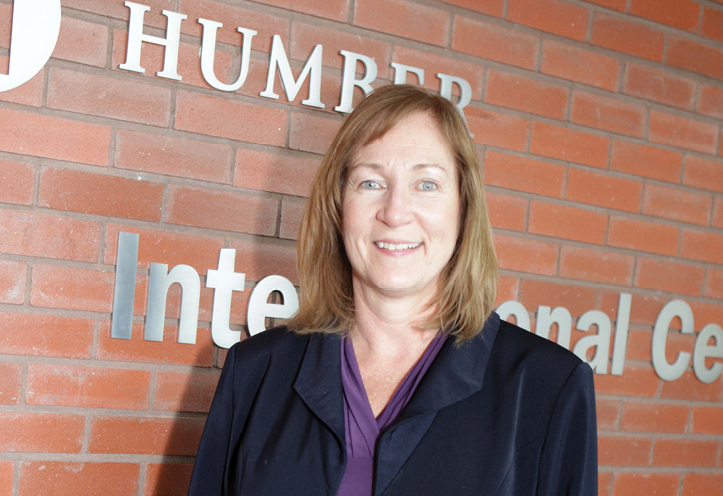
x=361, y=429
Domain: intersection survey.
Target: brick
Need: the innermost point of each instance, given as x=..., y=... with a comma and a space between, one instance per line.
x=178, y=157
x=603, y=190
x=608, y=114
x=168, y=351
x=684, y=453
x=100, y=194
x=147, y=435
x=658, y=86
x=17, y=182
x=501, y=130
x=199, y=252
x=71, y=288
x=676, y=204
x=643, y=235
x=577, y=299
x=109, y=97
x=189, y=68
x=681, y=14
x=222, y=210
x=710, y=100
x=707, y=312
x=67, y=478
x=632, y=484
x=646, y=161
x=569, y=145
x=30, y=93
x=582, y=66
x=637, y=381
x=333, y=9
x=619, y=5
x=492, y=42
x=292, y=210
x=706, y=420
x=45, y=335
x=563, y=221
x=702, y=245
x=402, y=18
x=698, y=484
x=154, y=17
x=5, y=24
x=11, y=380
x=718, y=213
x=598, y=266
x=41, y=432
x=553, y=16
x=82, y=42
x=12, y=281
x=36, y=235
x=673, y=277
x=624, y=451
x=526, y=255
x=527, y=95
x=714, y=284
x=712, y=23
x=703, y=173
x=264, y=258
x=286, y=174
x=88, y=387
x=674, y=130
x=490, y=7
x=434, y=64
x=304, y=37
x=311, y=133
x=168, y=479
x=508, y=289
x=607, y=414
x=231, y=16
x=690, y=55
x=7, y=468
x=689, y=388
x=506, y=212
x=654, y=417
x=647, y=306
x=51, y=137
x=181, y=392
x=626, y=36
x=233, y=119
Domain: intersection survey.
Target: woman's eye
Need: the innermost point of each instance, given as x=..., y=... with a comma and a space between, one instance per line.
x=428, y=186
x=369, y=185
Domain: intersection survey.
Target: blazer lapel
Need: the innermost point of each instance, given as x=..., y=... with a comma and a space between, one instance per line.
x=456, y=373
x=319, y=382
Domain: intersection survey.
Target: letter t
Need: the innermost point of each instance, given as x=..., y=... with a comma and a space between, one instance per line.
x=224, y=281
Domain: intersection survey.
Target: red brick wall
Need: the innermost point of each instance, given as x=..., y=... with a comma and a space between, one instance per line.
x=599, y=123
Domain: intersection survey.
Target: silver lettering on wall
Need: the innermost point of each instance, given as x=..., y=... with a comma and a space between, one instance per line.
x=35, y=29
x=124, y=292
x=159, y=282
x=224, y=281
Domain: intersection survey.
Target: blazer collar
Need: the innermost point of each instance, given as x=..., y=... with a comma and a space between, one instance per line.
x=457, y=372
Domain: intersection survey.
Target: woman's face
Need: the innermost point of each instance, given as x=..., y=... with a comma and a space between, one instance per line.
x=401, y=210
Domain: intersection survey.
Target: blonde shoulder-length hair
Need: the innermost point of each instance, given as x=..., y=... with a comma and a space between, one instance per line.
x=469, y=281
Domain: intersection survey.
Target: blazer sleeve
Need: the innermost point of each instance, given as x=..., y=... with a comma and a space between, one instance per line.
x=568, y=461
x=213, y=471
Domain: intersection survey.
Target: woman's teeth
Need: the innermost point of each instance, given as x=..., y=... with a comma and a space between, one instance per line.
x=402, y=246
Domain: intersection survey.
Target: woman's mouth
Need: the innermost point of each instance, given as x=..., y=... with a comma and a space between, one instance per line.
x=396, y=246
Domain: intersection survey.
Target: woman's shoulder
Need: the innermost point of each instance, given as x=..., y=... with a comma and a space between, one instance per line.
x=278, y=341
x=525, y=352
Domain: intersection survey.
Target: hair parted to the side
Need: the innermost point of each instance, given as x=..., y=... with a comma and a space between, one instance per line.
x=469, y=281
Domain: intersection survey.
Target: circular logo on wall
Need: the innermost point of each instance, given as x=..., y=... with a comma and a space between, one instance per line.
x=35, y=28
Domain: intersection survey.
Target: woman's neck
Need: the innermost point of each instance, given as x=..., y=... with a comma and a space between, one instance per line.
x=386, y=326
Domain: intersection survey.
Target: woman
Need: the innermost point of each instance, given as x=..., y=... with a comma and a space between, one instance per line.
x=396, y=377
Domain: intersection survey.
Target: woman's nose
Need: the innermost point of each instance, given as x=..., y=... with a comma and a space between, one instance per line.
x=396, y=207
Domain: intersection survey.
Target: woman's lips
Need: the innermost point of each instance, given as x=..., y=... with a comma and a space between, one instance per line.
x=397, y=247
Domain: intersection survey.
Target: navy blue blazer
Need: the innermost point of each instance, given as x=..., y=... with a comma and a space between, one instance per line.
x=505, y=413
